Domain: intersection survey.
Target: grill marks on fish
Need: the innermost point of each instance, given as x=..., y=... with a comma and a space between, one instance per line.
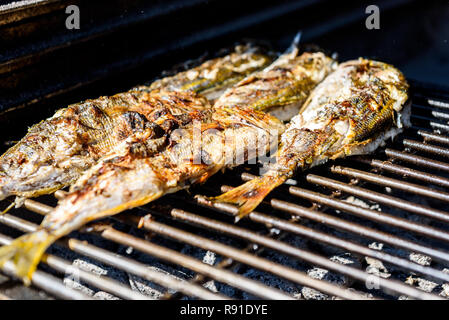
x=288, y=81
x=57, y=151
x=351, y=112
x=213, y=76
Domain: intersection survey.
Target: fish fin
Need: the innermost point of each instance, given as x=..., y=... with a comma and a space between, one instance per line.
x=8, y=208
x=26, y=252
x=127, y=205
x=294, y=46
x=249, y=195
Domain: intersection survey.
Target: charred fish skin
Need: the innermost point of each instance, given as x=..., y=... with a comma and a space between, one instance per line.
x=353, y=111
x=145, y=166
x=55, y=152
x=214, y=76
x=282, y=87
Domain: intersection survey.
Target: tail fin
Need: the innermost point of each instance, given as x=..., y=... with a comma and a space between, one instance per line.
x=26, y=252
x=249, y=195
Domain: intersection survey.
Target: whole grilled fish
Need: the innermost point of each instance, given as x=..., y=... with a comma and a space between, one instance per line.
x=56, y=151
x=353, y=111
x=146, y=165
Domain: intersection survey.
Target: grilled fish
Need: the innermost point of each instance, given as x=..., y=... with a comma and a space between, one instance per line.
x=214, y=76
x=282, y=87
x=56, y=151
x=353, y=111
x=145, y=166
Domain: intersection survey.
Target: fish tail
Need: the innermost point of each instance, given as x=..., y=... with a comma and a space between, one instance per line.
x=249, y=195
x=26, y=252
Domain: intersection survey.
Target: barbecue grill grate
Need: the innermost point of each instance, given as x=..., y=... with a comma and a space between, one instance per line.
x=385, y=214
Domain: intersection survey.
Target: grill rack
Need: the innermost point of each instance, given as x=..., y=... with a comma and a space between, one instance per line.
x=396, y=178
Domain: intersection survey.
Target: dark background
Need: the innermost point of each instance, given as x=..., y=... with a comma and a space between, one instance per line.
x=44, y=66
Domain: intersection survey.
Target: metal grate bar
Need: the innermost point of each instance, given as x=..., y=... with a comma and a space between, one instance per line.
x=118, y=261
x=410, y=173
x=392, y=183
x=310, y=257
x=433, y=137
x=373, y=215
x=379, y=197
x=248, y=259
x=438, y=103
x=177, y=258
x=417, y=160
x=435, y=150
x=358, y=229
x=99, y=281
x=46, y=281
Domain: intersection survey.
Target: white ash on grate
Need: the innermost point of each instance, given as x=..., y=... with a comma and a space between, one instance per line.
x=336, y=278
x=361, y=203
x=445, y=286
x=430, y=286
x=178, y=272
x=420, y=259
x=101, y=295
x=312, y=294
x=423, y=284
x=148, y=288
x=445, y=290
x=376, y=267
x=210, y=258
x=72, y=280
x=332, y=277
